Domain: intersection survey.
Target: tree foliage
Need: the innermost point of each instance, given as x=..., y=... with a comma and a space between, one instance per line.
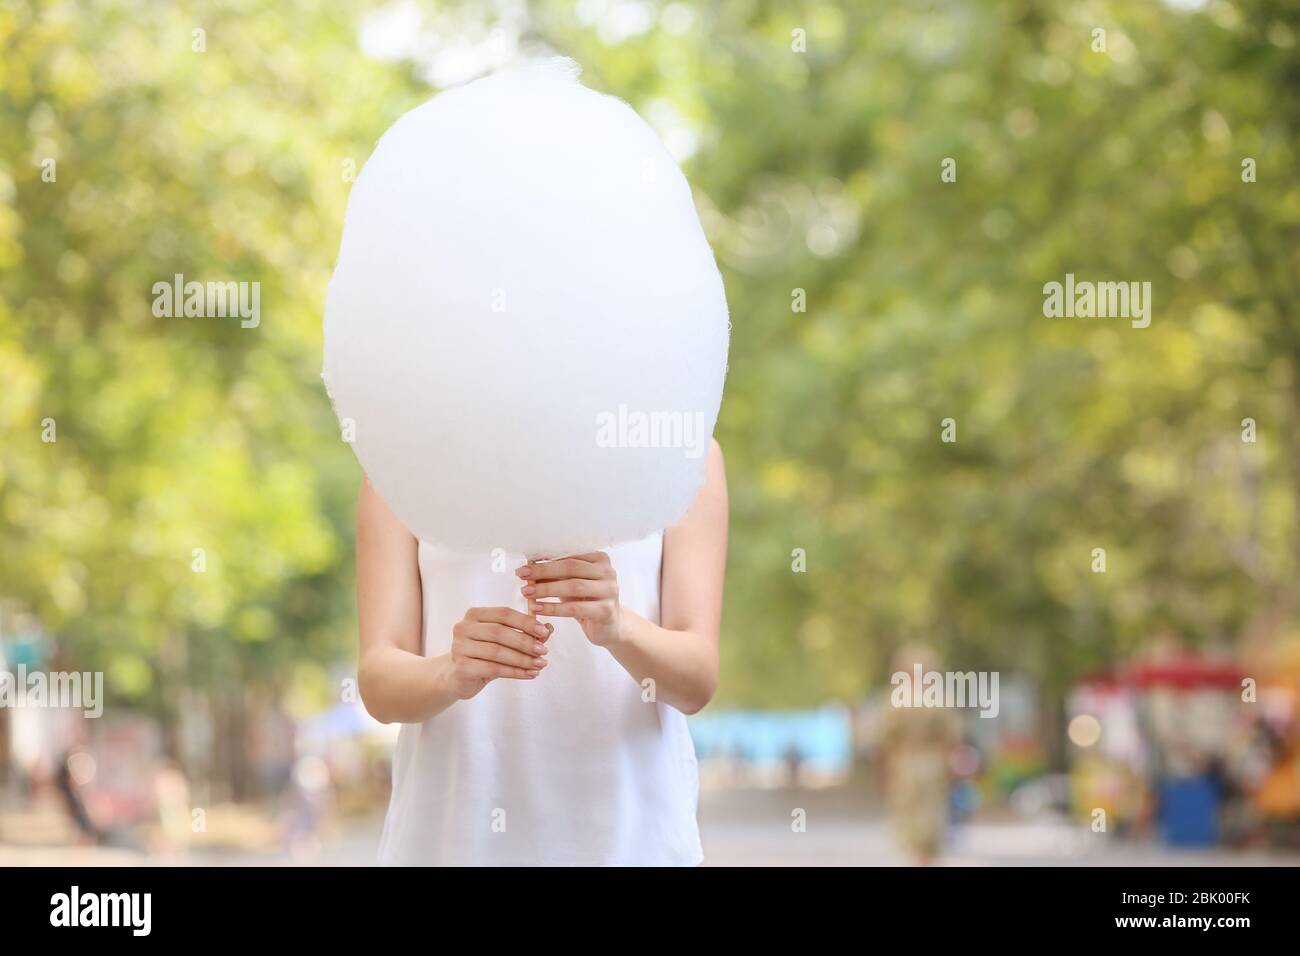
x=814, y=136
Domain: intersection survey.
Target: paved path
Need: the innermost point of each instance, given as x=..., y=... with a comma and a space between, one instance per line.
x=753, y=828
x=844, y=828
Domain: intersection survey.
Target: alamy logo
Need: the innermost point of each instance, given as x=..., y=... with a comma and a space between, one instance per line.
x=1101, y=300
x=133, y=910
x=922, y=688
x=74, y=690
x=633, y=429
x=211, y=300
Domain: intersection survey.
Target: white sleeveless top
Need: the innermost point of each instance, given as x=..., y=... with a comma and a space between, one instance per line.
x=573, y=767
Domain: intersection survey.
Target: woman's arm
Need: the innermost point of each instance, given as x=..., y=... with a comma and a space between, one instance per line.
x=681, y=654
x=398, y=683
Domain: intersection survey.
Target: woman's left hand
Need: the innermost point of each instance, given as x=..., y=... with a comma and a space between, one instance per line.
x=587, y=588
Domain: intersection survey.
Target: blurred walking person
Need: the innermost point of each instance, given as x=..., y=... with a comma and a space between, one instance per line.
x=69, y=788
x=916, y=743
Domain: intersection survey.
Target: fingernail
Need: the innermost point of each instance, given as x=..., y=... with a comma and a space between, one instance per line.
x=529, y=590
x=532, y=674
x=539, y=647
x=541, y=662
x=550, y=629
x=540, y=630
x=525, y=572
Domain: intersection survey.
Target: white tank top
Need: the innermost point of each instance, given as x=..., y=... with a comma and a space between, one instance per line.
x=574, y=767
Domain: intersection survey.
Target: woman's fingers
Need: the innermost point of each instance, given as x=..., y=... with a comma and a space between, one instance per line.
x=500, y=654
x=572, y=588
x=559, y=569
x=492, y=642
x=581, y=610
x=487, y=670
x=508, y=637
x=555, y=609
x=510, y=618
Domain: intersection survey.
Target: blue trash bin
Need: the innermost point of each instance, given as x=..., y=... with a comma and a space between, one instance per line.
x=1189, y=811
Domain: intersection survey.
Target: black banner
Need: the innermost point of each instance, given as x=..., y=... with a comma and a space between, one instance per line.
x=983, y=906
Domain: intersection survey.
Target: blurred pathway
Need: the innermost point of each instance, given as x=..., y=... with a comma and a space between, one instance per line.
x=750, y=828
x=754, y=828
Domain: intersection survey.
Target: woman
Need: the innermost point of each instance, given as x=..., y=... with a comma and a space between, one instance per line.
x=542, y=742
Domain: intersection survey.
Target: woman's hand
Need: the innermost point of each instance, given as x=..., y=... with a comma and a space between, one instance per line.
x=492, y=642
x=587, y=588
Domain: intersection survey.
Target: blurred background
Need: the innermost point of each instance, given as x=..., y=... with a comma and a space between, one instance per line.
x=1114, y=531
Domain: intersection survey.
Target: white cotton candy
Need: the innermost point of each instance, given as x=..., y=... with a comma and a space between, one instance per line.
x=526, y=332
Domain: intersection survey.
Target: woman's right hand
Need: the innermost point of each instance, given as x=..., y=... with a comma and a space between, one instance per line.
x=492, y=642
